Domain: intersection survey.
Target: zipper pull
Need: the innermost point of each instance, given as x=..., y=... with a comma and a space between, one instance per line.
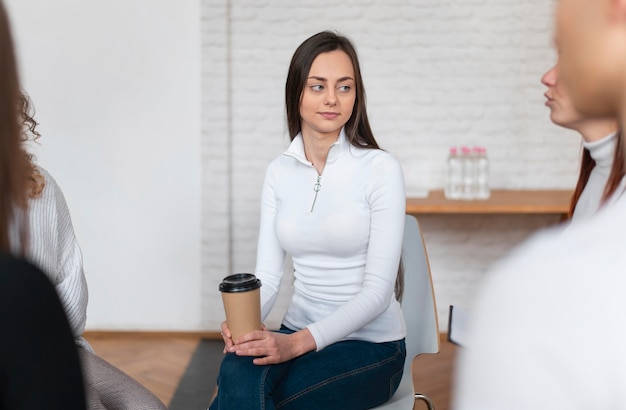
x=316, y=188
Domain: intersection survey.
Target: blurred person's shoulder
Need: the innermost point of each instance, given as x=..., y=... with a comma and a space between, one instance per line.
x=51, y=189
x=51, y=201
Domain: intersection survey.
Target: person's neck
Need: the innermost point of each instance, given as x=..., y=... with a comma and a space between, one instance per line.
x=594, y=130
x=316, y=148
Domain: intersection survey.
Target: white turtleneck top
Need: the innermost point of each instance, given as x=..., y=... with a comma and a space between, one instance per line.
x=345, y=241
x=602, y=152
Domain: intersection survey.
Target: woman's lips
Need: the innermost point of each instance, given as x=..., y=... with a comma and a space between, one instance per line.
x=548, y=99
x=329, y=115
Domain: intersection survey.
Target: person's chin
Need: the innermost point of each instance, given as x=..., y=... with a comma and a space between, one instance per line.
x=556, y=120
x=563, y=122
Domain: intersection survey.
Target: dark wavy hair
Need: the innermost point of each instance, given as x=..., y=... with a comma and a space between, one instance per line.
x=618, y=171
x=36, y=181
x=358, y=130
x=14, y=169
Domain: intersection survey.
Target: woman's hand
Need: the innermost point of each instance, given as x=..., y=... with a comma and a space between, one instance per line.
x=228, y=341
x=228, y=338
x=273, y=347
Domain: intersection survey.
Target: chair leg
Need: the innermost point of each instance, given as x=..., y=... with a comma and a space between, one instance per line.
x=425, y=399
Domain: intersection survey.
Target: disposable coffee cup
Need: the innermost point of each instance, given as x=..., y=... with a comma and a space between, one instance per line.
x=241, y=294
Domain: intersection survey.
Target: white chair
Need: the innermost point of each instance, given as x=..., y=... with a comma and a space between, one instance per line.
x=420, y=313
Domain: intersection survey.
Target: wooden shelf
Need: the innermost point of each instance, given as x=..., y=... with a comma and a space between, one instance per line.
x=501, y=202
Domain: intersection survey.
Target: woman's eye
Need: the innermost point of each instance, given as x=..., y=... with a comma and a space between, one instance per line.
x=344, y=88
x=317, y=87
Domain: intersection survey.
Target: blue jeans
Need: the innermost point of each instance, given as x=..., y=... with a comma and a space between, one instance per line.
x=345, y=375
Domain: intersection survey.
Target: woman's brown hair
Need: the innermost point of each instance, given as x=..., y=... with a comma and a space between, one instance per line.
x=358, y=130
x=618, y=171
x=14, y=169
x=36, y=180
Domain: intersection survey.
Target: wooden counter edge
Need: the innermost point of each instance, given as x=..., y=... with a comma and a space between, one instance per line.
x=555, y=202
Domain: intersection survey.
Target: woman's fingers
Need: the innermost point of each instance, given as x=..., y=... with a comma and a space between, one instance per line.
x=226, y=336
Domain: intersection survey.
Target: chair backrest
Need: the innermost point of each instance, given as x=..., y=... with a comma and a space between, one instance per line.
x=418, y=301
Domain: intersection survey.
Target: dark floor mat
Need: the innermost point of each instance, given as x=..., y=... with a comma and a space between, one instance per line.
x=197, y=384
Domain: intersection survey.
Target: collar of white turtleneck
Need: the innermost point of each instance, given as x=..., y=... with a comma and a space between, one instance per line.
x=602, y=150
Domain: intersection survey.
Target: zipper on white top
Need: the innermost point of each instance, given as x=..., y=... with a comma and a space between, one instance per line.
x=316, y=188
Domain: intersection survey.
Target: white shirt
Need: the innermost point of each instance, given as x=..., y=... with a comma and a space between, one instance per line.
x=602, y=151
x=345, y=242
x=547, y=330
x=53, y=247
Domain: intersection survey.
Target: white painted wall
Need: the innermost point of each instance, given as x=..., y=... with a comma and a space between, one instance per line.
x=116, y=86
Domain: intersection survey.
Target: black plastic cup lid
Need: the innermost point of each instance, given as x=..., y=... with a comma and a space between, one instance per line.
x=240, y=282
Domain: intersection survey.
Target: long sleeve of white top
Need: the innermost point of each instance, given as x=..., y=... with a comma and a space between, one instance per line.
x=53, y=247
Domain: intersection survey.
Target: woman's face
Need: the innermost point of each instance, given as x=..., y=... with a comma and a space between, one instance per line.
x=589, y=54
x=328, y=96
x=562, y=110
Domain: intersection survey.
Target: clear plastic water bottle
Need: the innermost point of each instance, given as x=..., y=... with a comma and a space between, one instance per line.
x=454, y=185
x=482, y=174
x=469, y=173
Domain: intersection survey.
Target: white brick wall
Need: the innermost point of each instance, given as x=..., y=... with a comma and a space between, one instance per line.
x=216, y=191
x=437, y=73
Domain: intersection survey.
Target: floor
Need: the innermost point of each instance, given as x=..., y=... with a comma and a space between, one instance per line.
x=158, y=361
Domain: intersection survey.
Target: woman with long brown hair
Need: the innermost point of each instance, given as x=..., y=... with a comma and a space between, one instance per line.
x=546, y=324
x=39, y=366
x=13, y=161
x=335, y=202
x=602, y=167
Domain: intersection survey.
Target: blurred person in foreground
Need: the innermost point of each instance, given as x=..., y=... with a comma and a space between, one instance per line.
x=39, y=365
x=601, y=178
x=547, y=329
